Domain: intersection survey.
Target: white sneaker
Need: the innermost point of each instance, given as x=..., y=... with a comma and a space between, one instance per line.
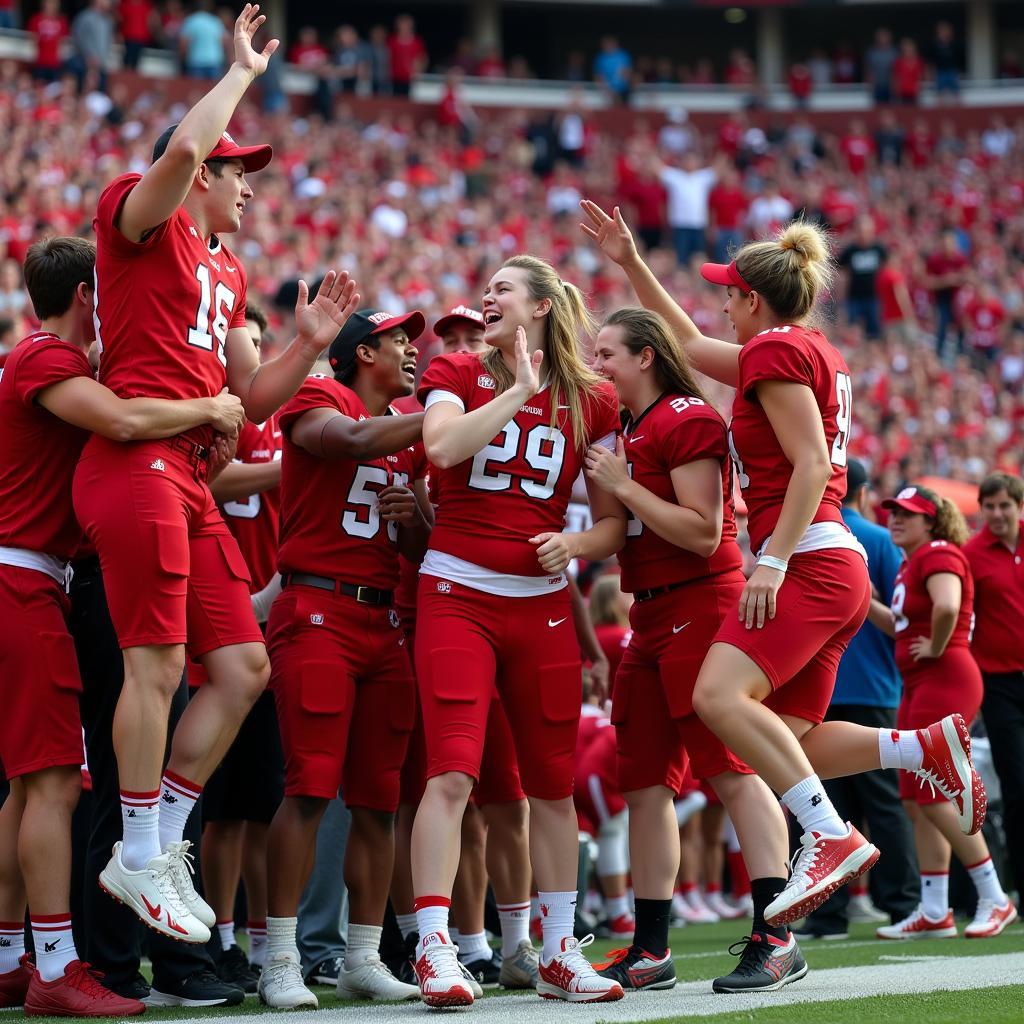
x=919, y=926
x=990, y=919
x=154, y=897
x=281, y=986
x=571, y=976
x=721, y=907
x=745, y=904
x=372, y=980
x=862, y=911
x=691, y=909
x=439, y=973
x=180, y=862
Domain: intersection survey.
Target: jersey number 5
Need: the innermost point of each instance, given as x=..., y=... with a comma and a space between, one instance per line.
x=222, y=300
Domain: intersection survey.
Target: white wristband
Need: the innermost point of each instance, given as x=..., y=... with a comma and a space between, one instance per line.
x=773, y=563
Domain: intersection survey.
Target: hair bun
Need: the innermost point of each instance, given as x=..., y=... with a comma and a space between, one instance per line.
x=806, y=240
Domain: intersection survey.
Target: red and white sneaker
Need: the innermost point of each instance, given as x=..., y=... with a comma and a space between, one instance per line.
x=77, y=994
x=990, y=919
x=947, y=767
x=918, y=926
x=437, y=970
x=622, y=927
x=14, y=984
x=571, y=976
x=823, y=865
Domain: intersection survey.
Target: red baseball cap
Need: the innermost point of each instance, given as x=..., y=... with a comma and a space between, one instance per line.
x=254, y=158
x=456, y=313
x=725, y=274
x=910, y=499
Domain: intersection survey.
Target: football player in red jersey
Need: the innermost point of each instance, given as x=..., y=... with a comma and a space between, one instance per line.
x=766, y=682
x=341, y=675
x=172, y=570
x=932, y=621
x=49, y=402
x=671, y=470
x=506, y=433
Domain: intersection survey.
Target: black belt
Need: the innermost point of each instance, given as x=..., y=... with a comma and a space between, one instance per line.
x=364, y=595
x=196, y=452
x=646, y=595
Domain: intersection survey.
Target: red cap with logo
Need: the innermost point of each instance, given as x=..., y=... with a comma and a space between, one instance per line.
x=910, y=499
x=254, y=158
x=464, y=314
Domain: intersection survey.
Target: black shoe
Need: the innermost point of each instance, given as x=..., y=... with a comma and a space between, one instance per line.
x=406, y=970
x=133, y=988
x=326, y=972
x=812, y=929
x=233, y=968
x=635, y=968
x=486, y=972
x=200, y=988
x=766, y=964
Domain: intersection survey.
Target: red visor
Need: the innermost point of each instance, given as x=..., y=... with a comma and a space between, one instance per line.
x=911, y=500
x=725, y=274
x=254, y=158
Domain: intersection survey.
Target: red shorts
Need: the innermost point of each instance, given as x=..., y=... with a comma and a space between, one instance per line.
x=823, y=601
x=172, y=570
x=40, y=724
x=345, y=696
x=468, y=642
x=596, y=793
x=653, y=704
x=951, y=685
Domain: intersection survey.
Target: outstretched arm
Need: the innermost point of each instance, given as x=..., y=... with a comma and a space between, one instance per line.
x=329, y=434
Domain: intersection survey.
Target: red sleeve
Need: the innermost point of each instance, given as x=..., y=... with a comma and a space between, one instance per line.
x=944, y=558
x=774, y=356
x=108, y=209
x=603, y=413
x=418, y=459
x=45, y=364
x=315, y=393
x=700, y=435
x=446, y=373
x=238, y=317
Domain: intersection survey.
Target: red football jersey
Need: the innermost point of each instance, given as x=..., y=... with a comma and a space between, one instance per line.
x=38, y=451
x=912, y=604
x=518, y=485
x=409, y=572
x=164, y=306
x=801, y=355
x=330, y=519
x=255, y=520
x=672, y=432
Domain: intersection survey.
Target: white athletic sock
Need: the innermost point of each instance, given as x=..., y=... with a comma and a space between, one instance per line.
x=474, y=947
x=898, y=749
x=55, y=945
x=177, y=798
x=935, y=894
x=432, y=916
x=281, y=936
x=986, y=881
x=810, y=805
x=140, y=828
x=363, y=941
x=12, y=945
x=557, y=913
x=226, y=931
x=515, y=925
x=455, y=935
x=616, y=906
x=406, y=924
x=257, y=932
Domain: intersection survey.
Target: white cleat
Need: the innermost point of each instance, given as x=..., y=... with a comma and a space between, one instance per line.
x=154, y=897
x=372, y=980
x=862, y=911
x=441, y=977
x=919, y=926
x=691, y=909
x=281, y=986
x=522, y=968
x=722, y=908
x=180, y=862
x=571, y=976
x=990, y=919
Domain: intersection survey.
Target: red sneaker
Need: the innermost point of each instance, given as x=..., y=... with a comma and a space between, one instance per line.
x=571, y=976
x=437, y=970
x=947, y=767
x=823, y=865
x=77, y=994
x=917, y=926
x=990, y=919
x=621, y=927
x=14, y=984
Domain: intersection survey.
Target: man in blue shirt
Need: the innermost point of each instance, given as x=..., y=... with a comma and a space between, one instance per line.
x=867, y=692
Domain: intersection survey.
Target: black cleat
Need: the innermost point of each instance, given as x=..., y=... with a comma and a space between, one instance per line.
x=201, y=988
x=234, y=968
x=766, y=964
x=636, y=969
x=485, y=972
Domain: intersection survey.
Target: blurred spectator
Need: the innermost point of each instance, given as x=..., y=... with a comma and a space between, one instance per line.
x=946, y=59
x=613, y=69
x=857, y=147
x=575, y=67
x=351, y=60
x=137, y=20
x=92, y=33
x=170, y=20
x=820, y=66
x=642, y=189
x=455, y=109
x=572, y=131
x=998, y=139
x=563, y=194
x=10, y=334
x=879, y=62
x=985, y=323
x=907, y=73
x=676, y=136
x=49, y=27
x=13, y=297
x=889, y=140
x=769, y=210
x=491, y=65
x=379, y=56
x=688, y=187
x=201, y=42
x=946, y=271
x=801, y=84
x=1010, y=66
x=740, y=71
x=845, y=67
x=408, y=55
x=728, y=205
x=862, y=260
x=9, y=14
x=309, y=54
x=464, y=57
x=895, y=306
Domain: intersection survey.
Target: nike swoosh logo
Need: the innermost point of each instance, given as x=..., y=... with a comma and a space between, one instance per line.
x=556, y=622
x=634, y=440
x=154, y=912
x=679, y=629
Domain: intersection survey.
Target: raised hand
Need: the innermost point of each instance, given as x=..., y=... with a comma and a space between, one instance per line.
x=527, y=366
x=228, y=414
x=317, y=323
x=246, y=27
x=612, y=234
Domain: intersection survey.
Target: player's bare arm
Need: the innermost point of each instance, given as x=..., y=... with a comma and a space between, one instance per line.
x=86, y=403
x=241, y=479
x=718, y=359
x=265, y=387
x=329, y=434
x=451, y=436
x=401, y=505
x=165, y=185
x=606, y=536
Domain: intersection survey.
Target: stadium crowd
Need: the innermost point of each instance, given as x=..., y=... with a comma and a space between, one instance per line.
x=927, y=317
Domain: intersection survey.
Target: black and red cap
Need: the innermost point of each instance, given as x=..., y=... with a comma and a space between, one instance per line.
x=254, y=158
x=724, y=274
x=912, y=499
x=363, y=325
x=459, y=314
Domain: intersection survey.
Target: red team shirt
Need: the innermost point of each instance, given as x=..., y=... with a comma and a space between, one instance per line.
x=674, y=431
x=38, y=451
x=146, y=350
x=801, y=355
x=255, y=520
x=912, y=604
x=330, y=523
x=998, y=642
x=518, y=485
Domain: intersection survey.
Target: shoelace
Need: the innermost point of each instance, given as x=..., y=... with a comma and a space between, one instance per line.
x=180, y=863
x=934, y=783
x=749, y=954
x=377, y=965
x=87, y=980
x=612, y=957
x=168, y=889
x=444, y=961
x=803, y=860
x=576, y=961
x=278, y=968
